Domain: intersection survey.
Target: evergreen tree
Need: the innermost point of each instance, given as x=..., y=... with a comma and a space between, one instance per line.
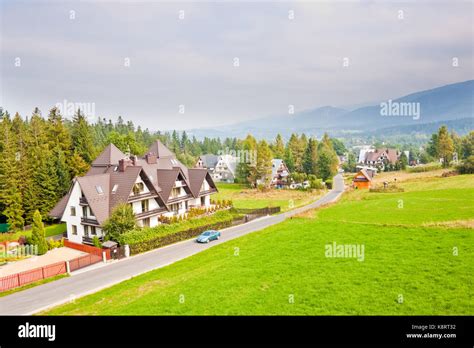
x=289, y=160
x=263, y=168
x=278, y=147
x=310, y=157
x=38, y=234
x=82, y=137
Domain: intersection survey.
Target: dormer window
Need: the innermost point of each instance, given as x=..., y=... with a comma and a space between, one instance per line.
x=115, y=188
x=99, y=189
x=138, y=188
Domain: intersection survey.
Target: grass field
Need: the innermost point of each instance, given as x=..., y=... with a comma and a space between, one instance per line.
x=243, y=197
x=409, y=267
x=49, y=231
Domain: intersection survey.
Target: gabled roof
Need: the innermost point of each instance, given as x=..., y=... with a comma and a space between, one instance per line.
x=59, y=208
x=167, y=178
x=124, y=181
x=196, y=178
x=98, y=202
x=209, y=160
x=110, y=155
x=367, y=174
x=160, y=150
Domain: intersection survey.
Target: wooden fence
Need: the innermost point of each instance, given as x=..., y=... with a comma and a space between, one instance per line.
x=19, y=279
x=87, y=249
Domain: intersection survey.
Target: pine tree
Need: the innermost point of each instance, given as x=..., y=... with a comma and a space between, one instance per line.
x=310, y=157
x=82, y=137
x=289, y=160
x=297, y=149
x=263, y=168
x=278, y=147
x=38, y=234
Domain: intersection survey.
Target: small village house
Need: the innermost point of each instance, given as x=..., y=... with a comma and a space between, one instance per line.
x=363, y=179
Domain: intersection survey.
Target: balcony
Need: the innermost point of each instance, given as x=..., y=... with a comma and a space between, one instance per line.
x=148, y=213
x=83, y=201
x=179, y=183
x=89, y=221
x=141, y=196
x=90, y=240
x=207, y=192
x=174, y=199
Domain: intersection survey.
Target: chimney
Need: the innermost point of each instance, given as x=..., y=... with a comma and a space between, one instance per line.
x=150, y=158
x=134, y=160
x=124, y=163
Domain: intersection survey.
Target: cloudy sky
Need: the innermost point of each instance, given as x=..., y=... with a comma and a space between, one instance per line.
x=226, y=61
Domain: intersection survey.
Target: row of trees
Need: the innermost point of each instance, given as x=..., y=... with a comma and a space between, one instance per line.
x=300, y=154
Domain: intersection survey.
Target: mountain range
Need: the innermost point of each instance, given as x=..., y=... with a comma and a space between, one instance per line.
x=421, y=112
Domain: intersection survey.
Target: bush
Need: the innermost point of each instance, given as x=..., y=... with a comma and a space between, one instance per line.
x=467, y=166
x=329, y=183
x=96, y=242
x=388, y=189
x=121, y=221
x=424, y=168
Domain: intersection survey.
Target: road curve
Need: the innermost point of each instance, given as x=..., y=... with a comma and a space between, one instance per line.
x=85, y=282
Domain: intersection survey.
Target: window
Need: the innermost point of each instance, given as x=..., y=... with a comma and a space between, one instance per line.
x=145, y=205
x=74, y=229
x=175, y=207
x=84, y=211
x=73, y=211
x=176, y=192
x=86, y=231
x=115, y=188
x=138, y=188
x=93, y=231
x=146, y=222
x=99, y=189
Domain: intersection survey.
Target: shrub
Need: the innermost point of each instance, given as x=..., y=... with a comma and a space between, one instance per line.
x=138, y=239
x=96, y=242
x=121, y=221
x=467, y=166
x=37, y=234
x=329, y=183
x=424, y=168
x=53, y=244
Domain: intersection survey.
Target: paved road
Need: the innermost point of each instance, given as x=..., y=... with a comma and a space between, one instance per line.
x=86, y=281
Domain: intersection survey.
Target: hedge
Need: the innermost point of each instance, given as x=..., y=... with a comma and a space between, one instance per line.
x=161, y=241
x=424, y=168
x=149, y=234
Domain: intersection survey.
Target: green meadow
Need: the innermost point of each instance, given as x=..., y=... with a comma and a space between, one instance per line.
x=418, y=260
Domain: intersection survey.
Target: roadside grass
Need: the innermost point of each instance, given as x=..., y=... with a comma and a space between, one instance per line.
x=260, y=273
x=51, y=230
x=246, y=198
x=426, y=201
x=32, y=285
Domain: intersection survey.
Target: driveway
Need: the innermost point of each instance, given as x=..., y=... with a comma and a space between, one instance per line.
x=66, y=289
x=52, y=256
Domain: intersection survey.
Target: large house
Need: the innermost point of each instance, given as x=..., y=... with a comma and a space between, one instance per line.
x=221, y=167
x=154, y=185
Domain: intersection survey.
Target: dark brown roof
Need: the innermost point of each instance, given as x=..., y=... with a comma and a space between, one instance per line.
x=58, y=210
x=166, y=180
x=110, y=155
x=160, y=150
x=196, y=178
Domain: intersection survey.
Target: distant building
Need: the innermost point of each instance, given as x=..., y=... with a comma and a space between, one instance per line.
x=363, y=179
x=221, y=167
x=380, y=157
x=280, y=173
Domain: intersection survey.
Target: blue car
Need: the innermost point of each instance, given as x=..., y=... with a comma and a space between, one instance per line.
x=207, y=236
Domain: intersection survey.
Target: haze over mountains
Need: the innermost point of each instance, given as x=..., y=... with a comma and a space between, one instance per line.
x=452, y=103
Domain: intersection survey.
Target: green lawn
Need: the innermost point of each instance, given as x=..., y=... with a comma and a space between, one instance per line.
x=283, y=269
x=51, y=230
x=243, y=197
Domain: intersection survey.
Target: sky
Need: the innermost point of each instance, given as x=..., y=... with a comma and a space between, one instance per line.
x=182, y=65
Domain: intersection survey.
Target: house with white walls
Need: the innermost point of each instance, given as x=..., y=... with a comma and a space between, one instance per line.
x=155, y=184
